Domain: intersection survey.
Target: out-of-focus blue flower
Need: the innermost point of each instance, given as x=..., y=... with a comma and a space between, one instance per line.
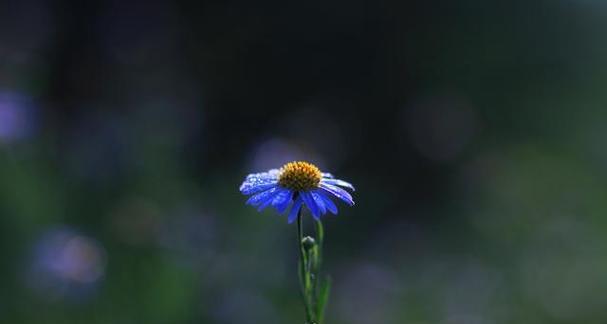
x=66, y=265
x=300, y=183
x=17, y=117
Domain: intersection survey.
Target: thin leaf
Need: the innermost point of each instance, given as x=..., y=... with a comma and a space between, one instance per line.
x=320, y=233
x=323, y=298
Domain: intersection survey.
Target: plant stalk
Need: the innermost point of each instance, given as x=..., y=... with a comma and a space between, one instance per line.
x=304, y=272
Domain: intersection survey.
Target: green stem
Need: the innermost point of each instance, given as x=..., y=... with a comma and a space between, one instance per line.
x=304, y=272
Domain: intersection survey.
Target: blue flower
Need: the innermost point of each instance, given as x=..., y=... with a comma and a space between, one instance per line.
x=297, y=183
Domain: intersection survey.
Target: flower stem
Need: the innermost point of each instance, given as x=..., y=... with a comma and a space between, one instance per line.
x=315, y=290
x=304, y=273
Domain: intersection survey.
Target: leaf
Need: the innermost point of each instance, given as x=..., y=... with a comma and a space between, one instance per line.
x=323, y=298
x=320, y=233
x=320, y=238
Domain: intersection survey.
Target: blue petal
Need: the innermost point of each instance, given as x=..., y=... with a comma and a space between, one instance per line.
x=307, y=198
x=326, y=175
x=270, y=199
x=337, y=182
x=328, y=202
x=337, y=192
x=257, y=188
x=257, y=182
x=264, y=205
x=261, y=197
x=294, y=210
x=319, y=201
x=282, y=200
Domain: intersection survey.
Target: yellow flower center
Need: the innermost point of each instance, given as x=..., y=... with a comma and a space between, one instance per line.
x=299, y=176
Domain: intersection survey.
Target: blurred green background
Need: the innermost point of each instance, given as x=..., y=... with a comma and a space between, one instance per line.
x=474, y=132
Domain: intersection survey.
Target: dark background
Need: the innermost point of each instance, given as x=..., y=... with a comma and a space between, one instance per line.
x=474, y=132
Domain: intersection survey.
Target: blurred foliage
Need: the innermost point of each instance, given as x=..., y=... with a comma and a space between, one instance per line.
x=474, y=133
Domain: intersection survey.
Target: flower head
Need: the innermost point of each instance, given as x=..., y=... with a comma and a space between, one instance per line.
x=296, y=184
